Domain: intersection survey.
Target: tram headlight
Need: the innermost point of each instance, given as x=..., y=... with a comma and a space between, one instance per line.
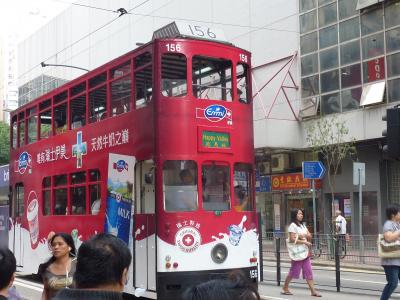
x=219, y=253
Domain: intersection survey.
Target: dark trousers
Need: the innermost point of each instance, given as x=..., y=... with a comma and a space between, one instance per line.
x=392, y=276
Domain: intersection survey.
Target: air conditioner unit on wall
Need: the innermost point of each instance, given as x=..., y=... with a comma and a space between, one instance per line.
x=279, y=162
x=264, y=167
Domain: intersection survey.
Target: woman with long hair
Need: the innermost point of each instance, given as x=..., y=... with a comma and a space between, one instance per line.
x=57, y=273
x=299, y=234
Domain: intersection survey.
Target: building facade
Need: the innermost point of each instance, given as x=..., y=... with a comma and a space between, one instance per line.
x=311, y=59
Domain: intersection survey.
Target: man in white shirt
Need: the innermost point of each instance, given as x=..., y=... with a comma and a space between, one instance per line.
x=341, y=223
x=340, y=230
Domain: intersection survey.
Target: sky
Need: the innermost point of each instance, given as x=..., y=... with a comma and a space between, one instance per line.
x=23, y=17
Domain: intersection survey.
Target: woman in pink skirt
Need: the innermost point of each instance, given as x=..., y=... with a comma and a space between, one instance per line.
x=299, y=233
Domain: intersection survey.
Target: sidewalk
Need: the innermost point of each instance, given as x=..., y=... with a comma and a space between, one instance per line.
x=271, y=291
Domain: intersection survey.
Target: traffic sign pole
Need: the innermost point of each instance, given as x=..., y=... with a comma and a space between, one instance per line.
x=315, y=213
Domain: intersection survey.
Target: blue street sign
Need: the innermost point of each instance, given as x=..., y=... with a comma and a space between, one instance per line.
x=313, y=169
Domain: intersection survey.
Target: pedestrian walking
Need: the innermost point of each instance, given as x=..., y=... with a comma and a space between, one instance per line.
x=299, y=234
x=101, y=270
x=234, y=287
x=391, y=233
x=57, y=273
x=8, y=267
x=341, y=229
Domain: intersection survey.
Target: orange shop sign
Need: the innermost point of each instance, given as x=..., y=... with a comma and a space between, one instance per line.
x=294, y=181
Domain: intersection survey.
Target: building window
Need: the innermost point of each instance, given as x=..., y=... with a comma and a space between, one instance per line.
x=393, y=39
x=394, y=90
x=328, y=36
x=327, y=14
x=328, y=59
x=307, y=5
x=309, y=64
x=330, y=104
x=309, y=43
x=349, y=30
x=329, y=81
x=308, y=21
x=372, y=46
x=372, y=21
x=350, y=52
x=347, y=8
x=392, y=14
x=351, y=99
x=350, y=75
x=393, y=65
x=310, y=86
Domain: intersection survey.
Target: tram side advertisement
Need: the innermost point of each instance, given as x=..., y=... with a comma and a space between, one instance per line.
x=119, y=196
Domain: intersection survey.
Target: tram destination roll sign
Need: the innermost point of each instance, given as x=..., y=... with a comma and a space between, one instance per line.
x=219, y=140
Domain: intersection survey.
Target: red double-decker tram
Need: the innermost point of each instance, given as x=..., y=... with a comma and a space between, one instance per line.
x=155, y=147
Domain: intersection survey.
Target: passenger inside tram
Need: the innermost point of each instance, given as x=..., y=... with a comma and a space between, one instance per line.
x=216, y=188
x=180, y=187
x=241, y=198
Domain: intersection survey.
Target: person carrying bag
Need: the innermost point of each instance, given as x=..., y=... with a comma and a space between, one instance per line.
x=388, y=250
x=298, y=246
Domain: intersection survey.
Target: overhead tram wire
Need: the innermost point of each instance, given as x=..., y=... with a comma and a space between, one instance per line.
x=94, y=31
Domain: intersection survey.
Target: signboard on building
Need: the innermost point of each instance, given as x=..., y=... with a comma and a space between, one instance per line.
x=263, y=184
x=293, y=181
x=376, y=69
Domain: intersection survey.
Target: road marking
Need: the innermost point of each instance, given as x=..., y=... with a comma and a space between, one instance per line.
x=32, y=286
x=367, y=281
x=270, y=297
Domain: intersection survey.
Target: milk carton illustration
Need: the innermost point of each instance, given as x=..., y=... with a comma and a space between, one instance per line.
x=119, y=196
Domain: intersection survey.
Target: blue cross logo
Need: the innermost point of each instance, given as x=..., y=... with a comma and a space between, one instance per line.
x=79, y=149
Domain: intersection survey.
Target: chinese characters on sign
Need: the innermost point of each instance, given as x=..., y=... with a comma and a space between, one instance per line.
x=110, y=140
x=188, y=223
x=52, y=154
x=292, y=181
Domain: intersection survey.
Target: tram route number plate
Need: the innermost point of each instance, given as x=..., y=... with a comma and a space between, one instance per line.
x=253, y=273
x=200, y=31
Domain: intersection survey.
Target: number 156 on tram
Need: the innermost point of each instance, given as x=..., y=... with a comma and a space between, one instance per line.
x=155, y=147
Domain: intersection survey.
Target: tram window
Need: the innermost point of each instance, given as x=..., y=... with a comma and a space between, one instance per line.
x=142, y=59
x=97, y=104
x=97, y=80
x=60, y=180
x=46, y=182
x=94, y=175
x=120, y=96
x=216, y=187
x=95, y=198
x=45, y=124
x=21, y=132
x=60, y=202
x=46, y=202
x=44, y=104
x=60, y=97
x=60, y=118
x=14, y=126
x=78, y=111
x=212, y=78
x=122, y=70
x=19, y=200
x=242, y=83
x=242, y=175
x=173, y=75
x=143, y=86
x=180, y=185
x=32, y=129
x=79, y=177
x=77, y=89
x=78, y=202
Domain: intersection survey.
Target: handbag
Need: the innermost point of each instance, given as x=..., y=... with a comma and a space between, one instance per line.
x=388, y=249
x=296, y=251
